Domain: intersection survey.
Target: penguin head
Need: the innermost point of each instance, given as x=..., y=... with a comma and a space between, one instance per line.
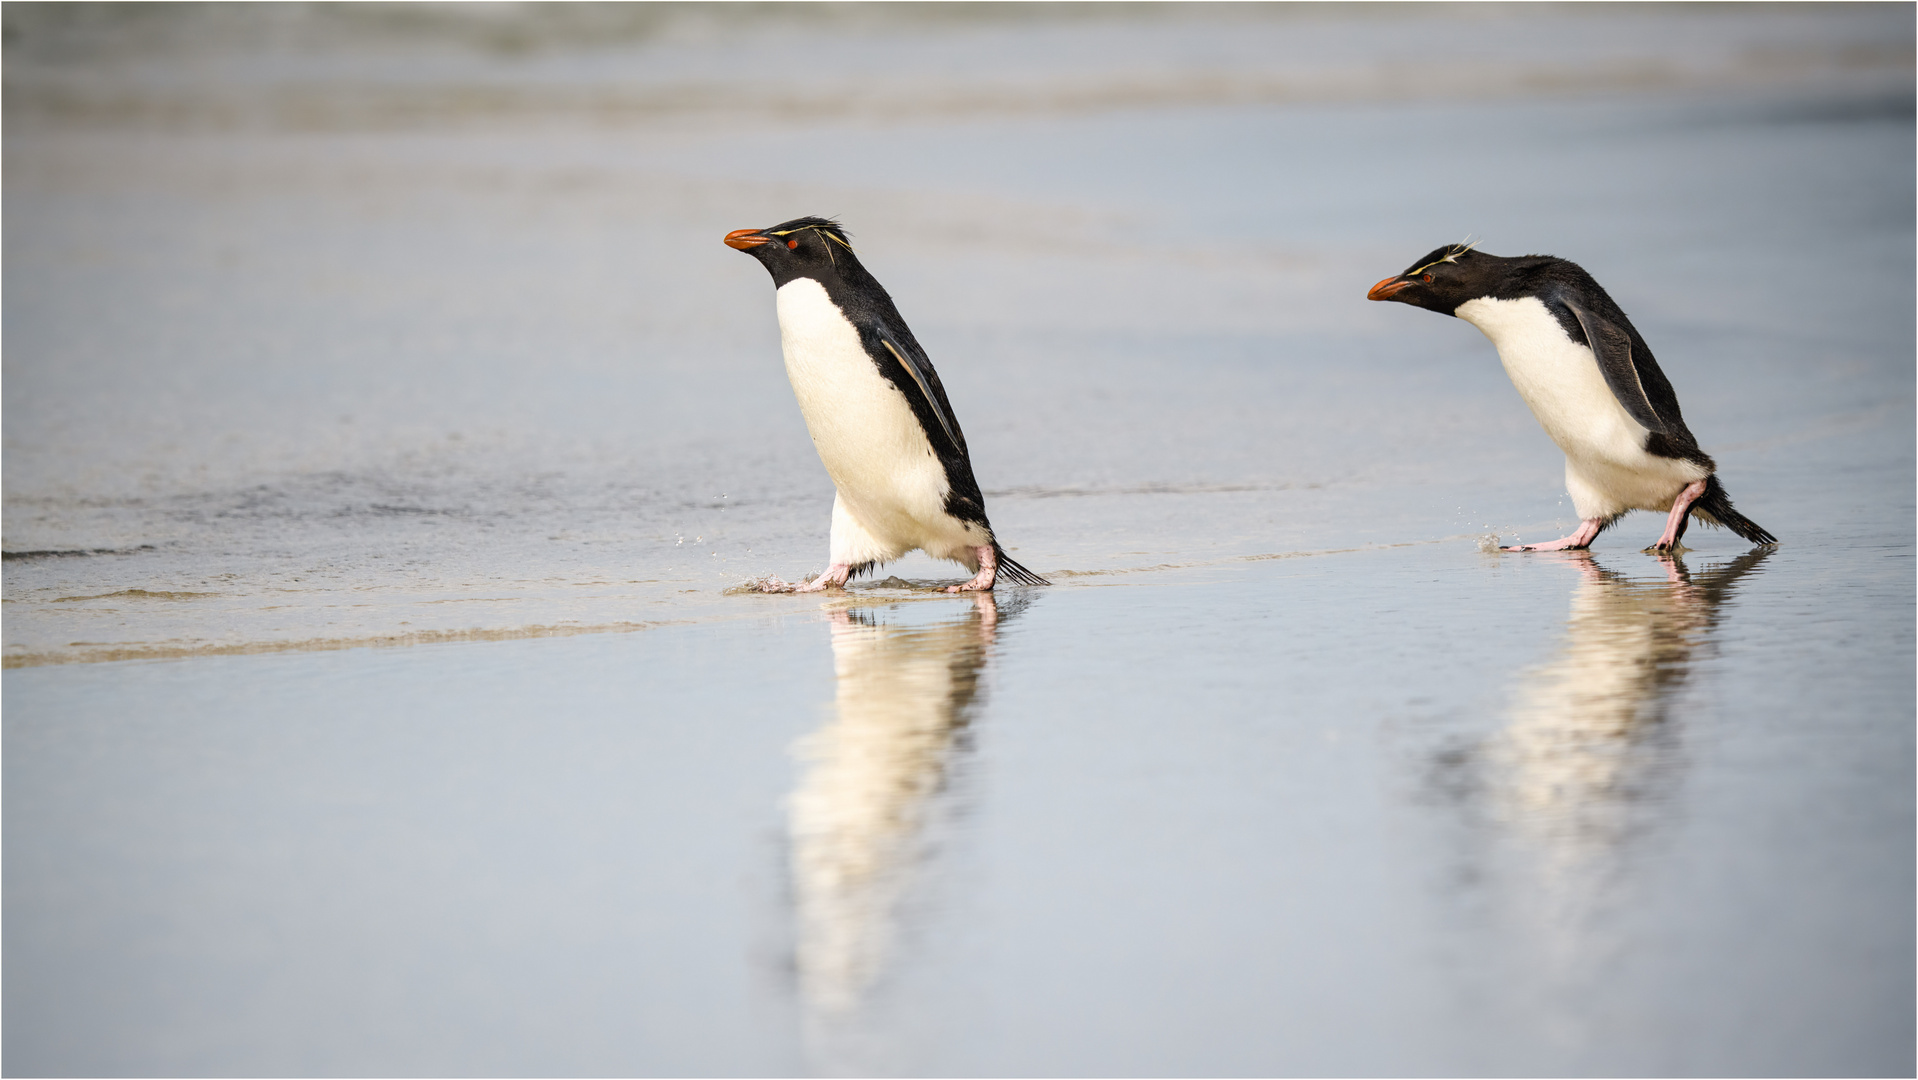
x=1443, y=279
x=812, y=247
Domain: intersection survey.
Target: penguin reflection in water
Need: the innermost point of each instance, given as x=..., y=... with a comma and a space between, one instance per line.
x=877, y=782
x=877, y=413
x=1592, y=731
x=1591, y=381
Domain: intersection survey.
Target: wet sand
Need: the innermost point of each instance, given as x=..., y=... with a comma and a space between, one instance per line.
x=381, y=461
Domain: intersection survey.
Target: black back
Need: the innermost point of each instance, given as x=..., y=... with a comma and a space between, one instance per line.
x=1450, y=276
x=818, y=248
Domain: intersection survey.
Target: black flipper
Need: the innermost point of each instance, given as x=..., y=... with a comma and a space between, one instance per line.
x=1612, y=345
x=1009, y=568
x=1715, y=508
x=914, y=368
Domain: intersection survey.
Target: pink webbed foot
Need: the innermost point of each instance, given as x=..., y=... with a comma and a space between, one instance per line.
x=1587, y=532
x=1675, y=522
x=988, y=572
x=834, y=578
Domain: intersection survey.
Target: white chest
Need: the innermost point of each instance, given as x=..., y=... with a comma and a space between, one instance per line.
x=861, y=424
x=1558, y=378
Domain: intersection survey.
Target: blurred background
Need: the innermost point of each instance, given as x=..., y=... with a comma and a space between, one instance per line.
x=362, y=308
x=345, y=325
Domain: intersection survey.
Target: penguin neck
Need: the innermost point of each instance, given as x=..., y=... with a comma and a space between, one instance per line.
x=1492, y=316
x=1522, y=320
x=842, y=279
x=786, y=275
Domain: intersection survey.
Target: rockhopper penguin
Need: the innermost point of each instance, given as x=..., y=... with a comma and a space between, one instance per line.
x=877, y=413
x=1590, y=380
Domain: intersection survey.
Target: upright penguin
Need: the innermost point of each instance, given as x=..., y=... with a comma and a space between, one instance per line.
x=1591, y=382
x=877, y=413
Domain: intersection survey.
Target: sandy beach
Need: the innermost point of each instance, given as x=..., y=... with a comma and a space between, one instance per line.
x=388, y=435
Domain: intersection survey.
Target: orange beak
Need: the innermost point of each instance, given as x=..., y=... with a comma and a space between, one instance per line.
x=742, y=239
x=1384, y=290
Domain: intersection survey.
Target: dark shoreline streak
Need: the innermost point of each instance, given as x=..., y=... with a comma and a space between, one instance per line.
x=9, y=556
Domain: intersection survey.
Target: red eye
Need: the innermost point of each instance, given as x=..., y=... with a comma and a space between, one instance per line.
x=794, y=245
x=1428, y=277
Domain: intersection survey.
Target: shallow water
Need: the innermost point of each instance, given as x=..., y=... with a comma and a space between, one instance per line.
x=1410, y=810
x=1285, y=773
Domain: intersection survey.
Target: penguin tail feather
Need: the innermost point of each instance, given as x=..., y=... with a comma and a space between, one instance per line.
x=1715, y=508
x=1010, y=569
